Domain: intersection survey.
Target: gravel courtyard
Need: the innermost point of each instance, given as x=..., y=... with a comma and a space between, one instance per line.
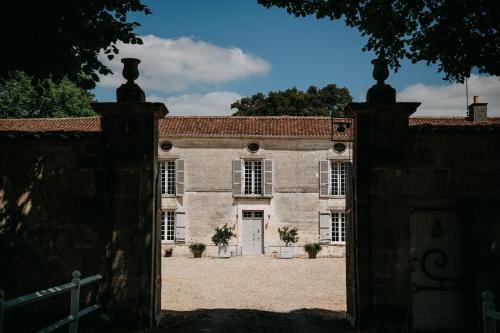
x=258, y=283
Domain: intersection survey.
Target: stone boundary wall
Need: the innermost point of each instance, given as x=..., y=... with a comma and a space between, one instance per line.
x=52, y=216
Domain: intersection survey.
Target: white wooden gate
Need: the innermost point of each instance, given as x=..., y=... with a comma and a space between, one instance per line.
x=252, y=232
x=437, y=266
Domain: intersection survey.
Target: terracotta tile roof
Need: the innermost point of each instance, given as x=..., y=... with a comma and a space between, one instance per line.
x=319, y=127
x=451, y=121
x=197, y=126
x=40, y=125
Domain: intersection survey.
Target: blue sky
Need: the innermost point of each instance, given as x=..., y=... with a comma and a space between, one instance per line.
x=199, y=56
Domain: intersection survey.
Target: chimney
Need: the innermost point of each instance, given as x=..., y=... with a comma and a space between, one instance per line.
x=477, y=111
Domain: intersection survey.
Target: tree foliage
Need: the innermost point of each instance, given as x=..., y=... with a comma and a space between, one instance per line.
x=457, y=35
x=292, y=102
x=19, y=98
x=288, y=235
x=222, y=235
x=61, y=38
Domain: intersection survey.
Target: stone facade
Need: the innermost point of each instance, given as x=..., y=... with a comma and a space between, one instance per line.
x=208, y=200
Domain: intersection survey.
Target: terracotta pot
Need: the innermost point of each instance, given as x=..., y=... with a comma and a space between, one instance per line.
x=197, y=254
x=312, y=255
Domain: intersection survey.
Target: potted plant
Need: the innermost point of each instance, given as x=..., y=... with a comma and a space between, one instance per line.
x=312, y=249
x=168, y=251
x=288, y=235
x=197, y=249
x=221, y=239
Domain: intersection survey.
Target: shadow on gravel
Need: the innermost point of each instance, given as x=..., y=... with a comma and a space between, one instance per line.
x=235, y=320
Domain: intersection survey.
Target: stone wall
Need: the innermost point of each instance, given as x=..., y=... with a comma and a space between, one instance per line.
x=208, y=200
x=88, y=202
x=52, y=216
x=402, y=170
x=463, y=167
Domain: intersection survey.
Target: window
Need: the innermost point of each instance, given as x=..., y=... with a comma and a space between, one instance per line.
x=167, y=226
x=253, y=177
x=253, y=147
x=338, y=178
x=167, y=169
x=338, y=227
x=166, y=146
x=339, y=147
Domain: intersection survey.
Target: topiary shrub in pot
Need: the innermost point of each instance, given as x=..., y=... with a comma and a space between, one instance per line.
x=168, y=251
x=197, y=249
x=221, y=239
x=288, y=235
x=312, y=249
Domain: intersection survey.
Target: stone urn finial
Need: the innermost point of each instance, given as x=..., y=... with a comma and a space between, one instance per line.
x=380, y=70
x=130, y=92
x=130, y=69
x=381, y=92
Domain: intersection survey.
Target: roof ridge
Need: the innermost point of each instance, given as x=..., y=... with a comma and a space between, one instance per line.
x=255, y=117
x=50, y=118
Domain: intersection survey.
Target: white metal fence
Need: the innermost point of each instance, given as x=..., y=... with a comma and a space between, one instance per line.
x=490, y=316
x=74, y=311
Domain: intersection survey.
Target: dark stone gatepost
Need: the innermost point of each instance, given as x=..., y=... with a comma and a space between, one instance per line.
x=130, y=136
x=379, y=231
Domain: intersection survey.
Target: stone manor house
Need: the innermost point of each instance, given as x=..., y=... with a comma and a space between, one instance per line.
x=256, y=174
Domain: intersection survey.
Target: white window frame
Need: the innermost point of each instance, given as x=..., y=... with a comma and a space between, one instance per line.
x=254, y=178
x=337, y=179
x=167, y=233
x=338, y=227
x=167, y=181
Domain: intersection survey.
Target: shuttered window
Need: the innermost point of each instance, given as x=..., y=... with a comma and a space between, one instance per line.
x=338, y=178
x=172, y=177
x=253, y=177
x=338, y=228
x=167, y=170
x=167, y=226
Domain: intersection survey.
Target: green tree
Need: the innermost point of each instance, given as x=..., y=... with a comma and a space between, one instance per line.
x=61, y=38
x=19, y=98
x=292, y=102
x=457, y=35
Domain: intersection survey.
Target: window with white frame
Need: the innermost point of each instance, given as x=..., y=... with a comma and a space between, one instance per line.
x=253, y=177
x=338, y=227
x=167, y=171
x=167, y=226
x=338, y=178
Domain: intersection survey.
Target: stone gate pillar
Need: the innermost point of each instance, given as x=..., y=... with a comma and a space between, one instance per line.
x=379, y=237
x=130, y=136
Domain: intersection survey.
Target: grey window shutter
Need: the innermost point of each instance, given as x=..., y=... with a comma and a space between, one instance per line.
x=180, y=226
x=179, y=177
x=349, y=198
x=268, y=178
x=323, y=179
x=325, y=222
x=236, y=178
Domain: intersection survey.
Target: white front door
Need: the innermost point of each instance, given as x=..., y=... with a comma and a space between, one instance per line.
x=437, y=267
x=252, y=232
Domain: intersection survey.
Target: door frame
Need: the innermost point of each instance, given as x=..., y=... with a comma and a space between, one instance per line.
x=266, y=219
x=261, y=228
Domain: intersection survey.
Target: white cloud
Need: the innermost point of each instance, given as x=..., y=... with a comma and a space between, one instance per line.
x=449, y=100
x=169, y=65
x=217, y=103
